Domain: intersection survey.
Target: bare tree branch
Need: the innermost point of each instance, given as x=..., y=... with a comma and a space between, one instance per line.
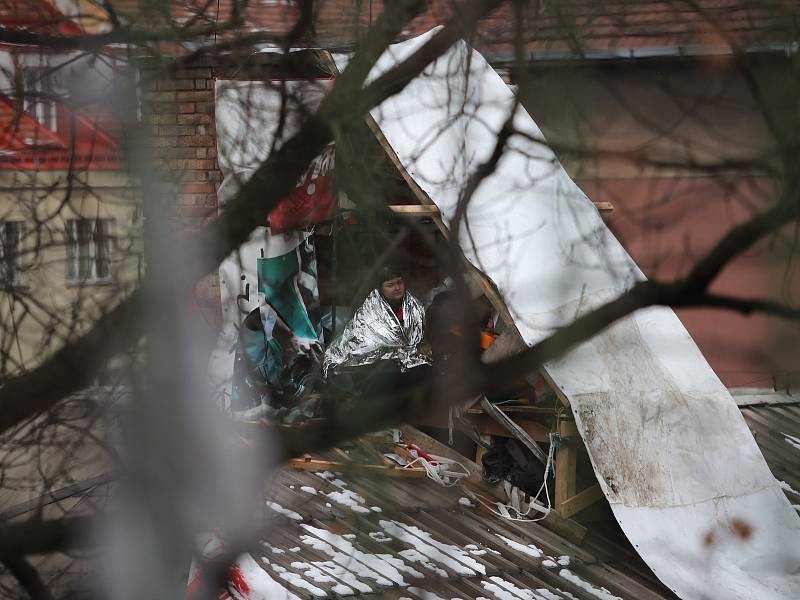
x=28, y=577
x=268, y=185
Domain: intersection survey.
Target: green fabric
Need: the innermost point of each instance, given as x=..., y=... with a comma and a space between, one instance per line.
x=277, y=280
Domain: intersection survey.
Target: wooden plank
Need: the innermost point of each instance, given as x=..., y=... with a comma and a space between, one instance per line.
x=516, y=431
x=566, y=468
x=522, y=410
x=568, y=429
x=430, y=211
x=554, y=386
x=487, y=426
x=414, y=210
x=316, y=464
x=576, y=503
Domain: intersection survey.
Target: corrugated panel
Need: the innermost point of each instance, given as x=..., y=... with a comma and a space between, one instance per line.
x=776, y=428
x=330, y=535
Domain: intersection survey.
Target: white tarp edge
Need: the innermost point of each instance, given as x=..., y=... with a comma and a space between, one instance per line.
x=670, y=448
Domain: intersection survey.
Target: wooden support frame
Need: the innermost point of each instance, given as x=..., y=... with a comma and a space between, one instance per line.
x=567, y=502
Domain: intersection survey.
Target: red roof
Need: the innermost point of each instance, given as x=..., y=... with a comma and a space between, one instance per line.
x=26, y=143
x=35, y=15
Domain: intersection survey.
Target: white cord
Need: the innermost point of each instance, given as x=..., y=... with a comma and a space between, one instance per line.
x=435, y=472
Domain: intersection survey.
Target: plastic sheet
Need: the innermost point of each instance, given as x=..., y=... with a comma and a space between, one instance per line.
x=374, y=334
x=670, y=449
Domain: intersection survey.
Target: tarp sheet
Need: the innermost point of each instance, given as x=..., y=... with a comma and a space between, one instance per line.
x=670, y=449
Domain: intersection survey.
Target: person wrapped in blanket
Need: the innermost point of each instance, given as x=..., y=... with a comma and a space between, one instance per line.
x=278, y=355
x=377, y=351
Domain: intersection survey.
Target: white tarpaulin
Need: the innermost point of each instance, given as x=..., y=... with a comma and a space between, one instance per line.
x=670, y=449
x=248, y=126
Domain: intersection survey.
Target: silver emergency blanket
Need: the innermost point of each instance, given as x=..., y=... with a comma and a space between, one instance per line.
x=374, y=333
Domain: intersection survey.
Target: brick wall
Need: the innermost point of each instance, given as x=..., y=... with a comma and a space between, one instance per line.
x=178, y=109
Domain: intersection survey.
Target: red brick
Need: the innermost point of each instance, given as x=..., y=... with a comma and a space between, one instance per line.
x=194, y=96
x=196, y=141
x=194, y=119
x=196, y=176
x=176, y=130
x=175, y=152
x=204, y=107
x=197, y=188
x=186, y=107
x=191, y=163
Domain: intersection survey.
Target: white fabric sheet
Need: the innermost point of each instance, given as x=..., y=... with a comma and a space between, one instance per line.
x=671, y=450
x=247, y=122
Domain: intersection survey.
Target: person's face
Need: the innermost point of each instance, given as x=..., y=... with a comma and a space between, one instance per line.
x=393, y=289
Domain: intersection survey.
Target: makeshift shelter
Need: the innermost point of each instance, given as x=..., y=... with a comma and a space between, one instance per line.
x=669, y=448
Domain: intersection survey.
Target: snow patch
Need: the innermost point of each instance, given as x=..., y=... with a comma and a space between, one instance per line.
x=285, y=511
x=414, y=556
x=791, y=440
x=262, y=586
x=309, y=490
x=346, y=498
x=549, y=564
x=598, y=592
x=451, y=556
x=464, y=501
x=530, y=549
x=297, y=581
x=343, y=552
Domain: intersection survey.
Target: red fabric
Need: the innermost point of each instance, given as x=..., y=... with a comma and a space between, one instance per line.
x=311, y=201
x=399, y=312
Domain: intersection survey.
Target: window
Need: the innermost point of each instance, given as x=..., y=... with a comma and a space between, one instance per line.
x=10, y=253
x=89, y=250
x=39, y=96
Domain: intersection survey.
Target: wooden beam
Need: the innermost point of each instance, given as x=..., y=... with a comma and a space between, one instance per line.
x=575, y=504
x=568, y=429
x=414, y=210
x=316, y=464
x=515, y=430
x=487, y=426
x=554, y=386
x=433, y=210
x=521, y=411
x=566, y=469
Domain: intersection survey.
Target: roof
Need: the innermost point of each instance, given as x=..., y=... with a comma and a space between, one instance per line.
x=774, y=419
x=577, y=28
x=40, y=16
x=329, y=534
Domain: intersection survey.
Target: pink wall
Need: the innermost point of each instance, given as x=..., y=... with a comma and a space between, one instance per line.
x=668, y=223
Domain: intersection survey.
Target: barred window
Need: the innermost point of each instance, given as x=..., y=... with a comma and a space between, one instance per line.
x=89, y=250
x=11, y=252
x=39, y=96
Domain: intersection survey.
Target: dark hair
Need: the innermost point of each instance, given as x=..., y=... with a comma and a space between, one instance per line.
x=387, y=272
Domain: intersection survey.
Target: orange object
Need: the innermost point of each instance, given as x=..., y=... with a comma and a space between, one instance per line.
x=487, y=339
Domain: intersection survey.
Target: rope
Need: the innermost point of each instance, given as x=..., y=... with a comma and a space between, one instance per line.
x=440, y=472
